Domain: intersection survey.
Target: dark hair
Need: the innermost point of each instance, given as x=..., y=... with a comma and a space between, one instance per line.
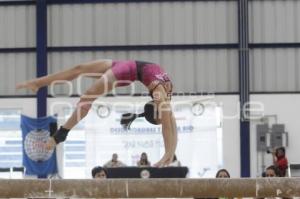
x=150, y=113
x=98, y=169
x=274, y=168
x=174, y=157
x=280, y=149
x=145, y=161
x=222, y=170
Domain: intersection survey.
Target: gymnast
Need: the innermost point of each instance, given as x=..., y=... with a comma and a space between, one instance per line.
x=116, y=74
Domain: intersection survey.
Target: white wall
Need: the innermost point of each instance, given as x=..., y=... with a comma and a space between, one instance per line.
x=28, y=105
x=230, y=124
x=231, y=135
x=287, y=108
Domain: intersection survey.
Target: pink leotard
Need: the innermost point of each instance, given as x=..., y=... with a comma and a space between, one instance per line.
x=130, y=70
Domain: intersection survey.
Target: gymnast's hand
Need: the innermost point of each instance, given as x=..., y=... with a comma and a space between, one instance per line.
x=165, y=160
x=50, y=144
x=59, y=136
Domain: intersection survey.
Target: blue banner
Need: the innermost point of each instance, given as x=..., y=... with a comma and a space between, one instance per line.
x=36, y=158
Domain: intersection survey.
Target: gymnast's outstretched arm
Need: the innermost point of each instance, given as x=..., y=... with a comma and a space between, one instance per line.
x=169, y=129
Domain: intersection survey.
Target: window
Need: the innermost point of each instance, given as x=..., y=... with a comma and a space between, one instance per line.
x=10, y=142
x=74, y=155
x=93, y=141
x=74, y=151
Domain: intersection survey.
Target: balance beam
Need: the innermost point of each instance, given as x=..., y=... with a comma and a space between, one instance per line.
x=150, y=188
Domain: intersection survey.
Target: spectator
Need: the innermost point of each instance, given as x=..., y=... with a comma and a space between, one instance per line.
x=222, y=173
x=280, y=161
x=271, y=171
x=114, y=162
x=143, y=162
x=99, y=173
x=175, y=162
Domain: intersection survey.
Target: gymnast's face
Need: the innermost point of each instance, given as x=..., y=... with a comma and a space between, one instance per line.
x=100, y=175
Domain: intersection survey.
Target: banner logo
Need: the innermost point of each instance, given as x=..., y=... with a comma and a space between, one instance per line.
x=34, y=145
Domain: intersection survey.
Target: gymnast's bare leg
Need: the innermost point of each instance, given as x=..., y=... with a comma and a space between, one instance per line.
x=93, y=67
x=100, y=87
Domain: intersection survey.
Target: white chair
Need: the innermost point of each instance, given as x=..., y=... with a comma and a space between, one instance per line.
x=294, y=170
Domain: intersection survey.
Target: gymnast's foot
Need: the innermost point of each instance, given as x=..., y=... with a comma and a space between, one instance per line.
x=28, y=85
x=165, y=160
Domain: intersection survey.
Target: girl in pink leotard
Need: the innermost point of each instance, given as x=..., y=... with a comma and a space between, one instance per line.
x=115, y=74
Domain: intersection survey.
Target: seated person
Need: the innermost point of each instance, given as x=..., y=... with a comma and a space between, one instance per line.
x=222, y=173
x=143, y=162
x=99, y=173
x=114, y=162
x=175, y=162
x=271, y=171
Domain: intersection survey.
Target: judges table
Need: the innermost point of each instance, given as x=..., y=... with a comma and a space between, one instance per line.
x=147, y=172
